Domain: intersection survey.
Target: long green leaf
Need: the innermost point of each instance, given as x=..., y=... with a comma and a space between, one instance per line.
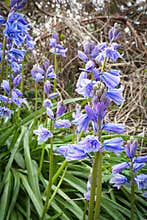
x=36, y=203
x=31, y=168
x=14, y=193
x=5, y=198
x=13, y=152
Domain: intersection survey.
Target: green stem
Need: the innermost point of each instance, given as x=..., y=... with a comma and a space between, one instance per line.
x=132, y=192
x=85, y=210
x=48, y=190
x=99, y=187
x=36, y=100
x=99, y=177
x=7, y=70
x=56, y=190
x=22, y=80
x=41, y=159
x=21, y=86
x=3, y=59
x=63, y=165
x=93, y=188
x=96, y=176
x=55, y=69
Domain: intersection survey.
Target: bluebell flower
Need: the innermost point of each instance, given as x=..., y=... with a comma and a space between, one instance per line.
x=4, y=98
x=100, y=110
x=115, y=46
x=119, y=180
x=16, y=67
x=15, y=54
x=83, y=75
x=46, y=64
x=13, y=17
x=53, y=42
x=17, y=80
x=50, y=72
x=59, y=50
x=18, y=92
x=120, y=167
x=47, y=103
x=37, y=73
x=88, y=46
x=95, y=52
x=47, y=87
x=109, y=52
x=90, y=144
x=105, y=99
x=2, y=20
x=112, y=54
x=101, y=105
x=115, y=95
x=141, y=181
x=5, y=112
x=16, y=28
x=16, y=100
x=115, y=145
x=86, y=88
x=78, y=112
x=43, y=134
x=50, y=113
x=101, y=57
x=141, y=159
x=114, y=33
x=110, y=80
x=62, y=123
x=82, y=56
x=87, y=194
x=5, y=86
x=98, y=49
x=29, y=42
x=82, y=122
x=137, y=166
x=116, y=128
x=53, y=95
x=96, y=74
x=115, y=72
x=72, y=152
x=131, y=148
x=17, y=4
x=61, y=109
x=89, y=66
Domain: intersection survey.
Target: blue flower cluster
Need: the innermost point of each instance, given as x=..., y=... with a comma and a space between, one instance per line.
x=101, y=87
x=56, y=48
x=12, y=51
x=47, y=74
x=134, y=163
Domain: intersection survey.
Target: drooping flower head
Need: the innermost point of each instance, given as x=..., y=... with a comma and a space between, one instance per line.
x=37, y=73
x=131, y=148
x=17, y=4
x=119, y=180
x=115, y=145
x=61, y=108
x=43, y=134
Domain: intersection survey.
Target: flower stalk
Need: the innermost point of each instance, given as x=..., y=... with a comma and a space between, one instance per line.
x=3, y=58
x=132, y=191
x=48, y=190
